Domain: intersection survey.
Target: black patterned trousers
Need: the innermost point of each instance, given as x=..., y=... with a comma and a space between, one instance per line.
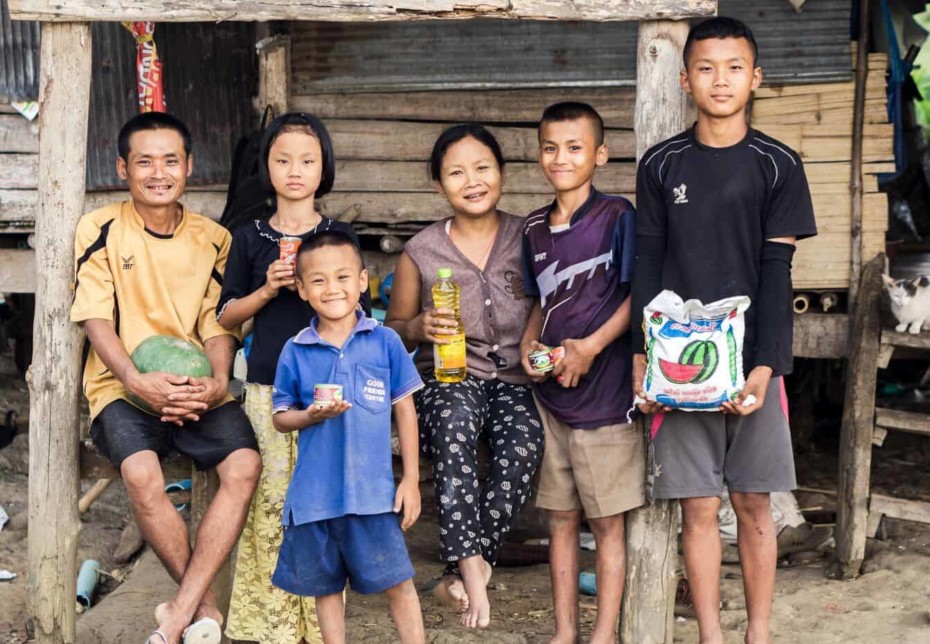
x=473, y=519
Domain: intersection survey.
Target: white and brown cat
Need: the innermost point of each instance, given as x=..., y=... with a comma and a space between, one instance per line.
x=910, y=302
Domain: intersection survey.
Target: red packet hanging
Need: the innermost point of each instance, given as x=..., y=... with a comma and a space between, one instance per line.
x=148, y=67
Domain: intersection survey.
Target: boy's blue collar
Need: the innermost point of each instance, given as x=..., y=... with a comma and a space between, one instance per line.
x=309, y=335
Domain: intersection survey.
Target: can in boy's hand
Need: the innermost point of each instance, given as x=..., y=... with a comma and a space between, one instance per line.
x=541, y=360
x=557, y=354
x=327, y=395
x=288, y=247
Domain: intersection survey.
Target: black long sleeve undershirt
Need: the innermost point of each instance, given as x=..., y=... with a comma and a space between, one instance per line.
x=773, y=306
x=647, y=282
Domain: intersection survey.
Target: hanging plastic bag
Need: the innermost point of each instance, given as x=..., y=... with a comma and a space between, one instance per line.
x=694, y=351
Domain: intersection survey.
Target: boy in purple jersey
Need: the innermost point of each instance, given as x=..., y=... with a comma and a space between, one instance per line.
x=578, y=258
x=720, y=208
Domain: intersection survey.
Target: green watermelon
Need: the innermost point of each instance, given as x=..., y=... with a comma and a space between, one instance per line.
x=701, y=352
x=170, y=355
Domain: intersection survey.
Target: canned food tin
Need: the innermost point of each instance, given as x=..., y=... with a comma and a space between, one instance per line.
x=541, y=360
x=288, y=249
x=557, y=354
x=326, y=395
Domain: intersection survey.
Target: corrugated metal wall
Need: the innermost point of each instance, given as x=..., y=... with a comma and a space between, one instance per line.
x=19, y=57
x=210, y=78
x=811, y=46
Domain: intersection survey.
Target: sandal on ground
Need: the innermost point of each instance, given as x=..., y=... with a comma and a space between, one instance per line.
x=156, y=633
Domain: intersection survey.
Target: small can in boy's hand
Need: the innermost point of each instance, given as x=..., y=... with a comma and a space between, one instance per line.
x=557, y=353
x=541, y=360
x=327, y=395
x=288, y=247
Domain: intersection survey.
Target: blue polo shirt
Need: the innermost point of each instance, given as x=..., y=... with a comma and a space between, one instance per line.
x=344, y=463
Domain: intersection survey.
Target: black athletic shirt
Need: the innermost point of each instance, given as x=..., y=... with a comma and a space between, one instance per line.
x=254, y=248
x=715, y=207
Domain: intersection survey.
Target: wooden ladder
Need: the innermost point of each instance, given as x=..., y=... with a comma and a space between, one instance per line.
x=859, y=513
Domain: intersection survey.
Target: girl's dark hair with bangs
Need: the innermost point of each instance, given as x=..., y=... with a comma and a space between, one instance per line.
x=455, y=134
x=307, y=124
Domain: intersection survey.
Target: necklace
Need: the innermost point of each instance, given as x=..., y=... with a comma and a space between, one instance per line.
x=275, y=222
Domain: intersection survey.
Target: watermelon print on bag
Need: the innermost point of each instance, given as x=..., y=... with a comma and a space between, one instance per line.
x=694, y=351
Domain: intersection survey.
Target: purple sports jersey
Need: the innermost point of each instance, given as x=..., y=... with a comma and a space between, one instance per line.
x=581, y=275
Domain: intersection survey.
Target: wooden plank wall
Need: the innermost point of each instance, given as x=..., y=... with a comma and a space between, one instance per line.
x=383, y=140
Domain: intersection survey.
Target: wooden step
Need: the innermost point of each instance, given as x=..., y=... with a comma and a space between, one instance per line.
x=902, y=421
x=909, y=510
x=903, y=339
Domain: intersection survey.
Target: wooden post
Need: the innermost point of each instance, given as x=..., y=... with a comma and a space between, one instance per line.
x=855, y=177
x=274, y=73
x=648, y=615
x=54, y=525
x=858, y=424
x=204, y=486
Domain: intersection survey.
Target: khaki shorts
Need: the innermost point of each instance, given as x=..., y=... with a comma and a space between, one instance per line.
x=602, y=471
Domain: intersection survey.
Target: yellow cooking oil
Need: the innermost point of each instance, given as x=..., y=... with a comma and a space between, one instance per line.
x=449, y=359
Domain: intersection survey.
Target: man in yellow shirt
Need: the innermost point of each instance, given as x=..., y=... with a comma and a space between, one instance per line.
x=147, y=267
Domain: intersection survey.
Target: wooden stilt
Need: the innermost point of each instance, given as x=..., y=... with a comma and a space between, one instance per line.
x=274, y=73
x=647, y=616
x=204, y=486
x=858, y=425
x=54, y=383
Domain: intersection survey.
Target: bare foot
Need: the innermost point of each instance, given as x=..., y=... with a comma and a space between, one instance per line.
x=450, y=591
x=568, y=637
x=476, y=573
x=208, y=608
x=171, y=622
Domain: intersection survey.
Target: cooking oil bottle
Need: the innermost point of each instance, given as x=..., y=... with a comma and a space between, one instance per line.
x=449, y=359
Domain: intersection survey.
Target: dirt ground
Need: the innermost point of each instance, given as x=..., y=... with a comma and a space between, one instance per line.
x=887, y=604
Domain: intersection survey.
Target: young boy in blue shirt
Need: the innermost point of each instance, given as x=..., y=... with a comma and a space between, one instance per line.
x=340, y=514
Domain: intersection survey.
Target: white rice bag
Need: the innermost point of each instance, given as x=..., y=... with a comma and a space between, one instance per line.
x=694, y=350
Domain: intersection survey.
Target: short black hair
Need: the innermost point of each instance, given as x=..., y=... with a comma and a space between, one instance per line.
x=720, y=27
x=328, y=238
x=572, y=111
x=151, y=121
x=455, y=134
x=308, y=124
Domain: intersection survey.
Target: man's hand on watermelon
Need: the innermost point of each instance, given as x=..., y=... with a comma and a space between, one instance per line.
x=639, y=376
x=579, y=356
x=168, y=394
x=752, y=397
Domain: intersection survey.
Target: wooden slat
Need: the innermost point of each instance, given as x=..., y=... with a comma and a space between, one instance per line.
x=898, y=339
x=403, y=141
x=903, y=421
x=19, y=171
x=355, y=11
x=522, y=177
x=905, y=509
x=614, y=104
x=18, y=271
x=21, y=205
x=18, y=135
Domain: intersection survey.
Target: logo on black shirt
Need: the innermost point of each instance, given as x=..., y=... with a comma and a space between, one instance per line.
x=128, y=262
x=680, y=194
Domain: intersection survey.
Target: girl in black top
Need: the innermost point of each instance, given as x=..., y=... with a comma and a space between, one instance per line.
x=299, y=167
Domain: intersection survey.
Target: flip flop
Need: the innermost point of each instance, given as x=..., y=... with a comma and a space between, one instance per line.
x=159, y=634
x=204, y=631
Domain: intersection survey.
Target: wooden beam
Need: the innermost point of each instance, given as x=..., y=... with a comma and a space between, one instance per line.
x=858, y=425
x=17, y=270
x=905, y=509
x=614, y=104
x=274, y=73
x=648, y=611
x=903, y=421
x=355, y=11
x=19, y=171
x=55, y=382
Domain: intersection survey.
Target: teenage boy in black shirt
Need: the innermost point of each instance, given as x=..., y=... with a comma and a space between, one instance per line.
x=720, y=209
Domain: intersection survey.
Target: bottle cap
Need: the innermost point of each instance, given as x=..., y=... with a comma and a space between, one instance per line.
x=444, y=273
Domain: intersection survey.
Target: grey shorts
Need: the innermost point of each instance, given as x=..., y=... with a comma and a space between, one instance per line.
x=698, y=453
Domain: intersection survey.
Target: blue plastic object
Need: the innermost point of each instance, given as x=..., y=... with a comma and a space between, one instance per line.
x=378, y=314
x=179, y=486
x=87, y=582
x=384, y=291
x=587, y=583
